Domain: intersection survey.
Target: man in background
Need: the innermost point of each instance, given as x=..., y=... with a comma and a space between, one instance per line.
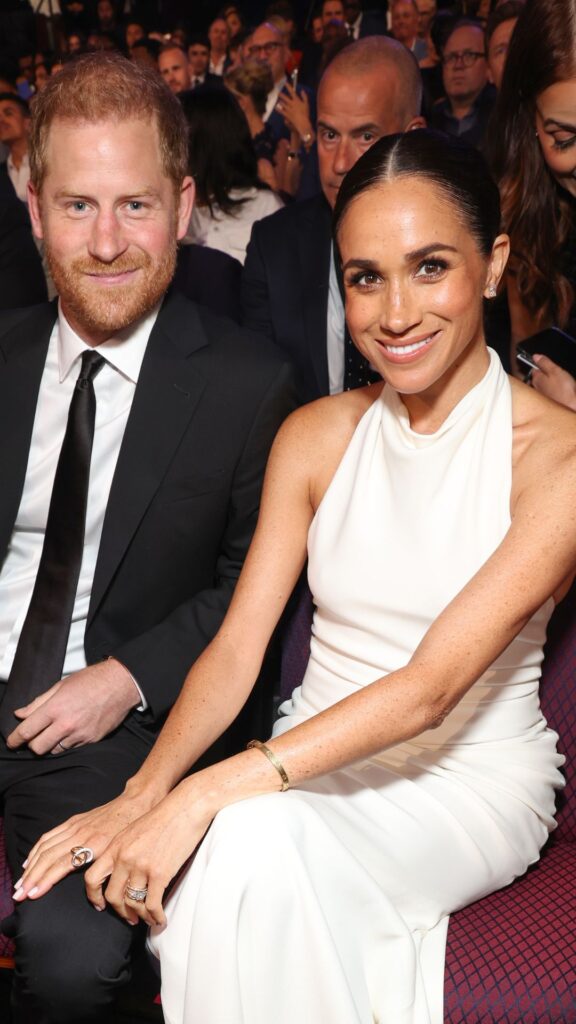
x=465, y=110
x=292, y=292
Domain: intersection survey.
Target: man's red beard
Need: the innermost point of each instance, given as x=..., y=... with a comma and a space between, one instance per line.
x=103, y=311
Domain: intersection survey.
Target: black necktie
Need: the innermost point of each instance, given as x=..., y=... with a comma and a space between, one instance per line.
x=41, y=649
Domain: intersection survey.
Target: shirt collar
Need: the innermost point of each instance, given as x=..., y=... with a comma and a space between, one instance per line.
x=25, y=163
x=124, y=351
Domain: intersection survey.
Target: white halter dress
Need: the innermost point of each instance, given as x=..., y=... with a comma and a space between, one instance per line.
x=330, y=903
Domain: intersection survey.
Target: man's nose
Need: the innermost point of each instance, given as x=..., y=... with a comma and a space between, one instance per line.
x=344, y=157
x=107, y=240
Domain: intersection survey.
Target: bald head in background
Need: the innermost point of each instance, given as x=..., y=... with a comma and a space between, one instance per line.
x=371, y=88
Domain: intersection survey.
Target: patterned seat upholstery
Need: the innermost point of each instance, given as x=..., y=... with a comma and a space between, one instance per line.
x=6, y=948
x=511, y=957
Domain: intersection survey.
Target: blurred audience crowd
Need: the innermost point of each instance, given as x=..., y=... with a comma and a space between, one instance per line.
x=278, y=113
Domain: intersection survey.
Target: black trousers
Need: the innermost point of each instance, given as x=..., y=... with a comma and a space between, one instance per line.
x=71, y=961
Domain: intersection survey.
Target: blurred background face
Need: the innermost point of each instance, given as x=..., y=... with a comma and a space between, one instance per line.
x=13, y=122
x=460, y=82
x=218, y=35
x=233, y=21
x=556, y=130
x=175, y=70
x=134, y=31
x=426, y=12
x=332, y=10
x=404, y=22
x=267, y=45
x=198, y=58
x=498, y=50
x=352, y=9
x=317, y=29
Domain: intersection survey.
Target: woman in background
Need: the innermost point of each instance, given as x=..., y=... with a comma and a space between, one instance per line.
x=534, y=160
x=250, y=83
x=229, y=193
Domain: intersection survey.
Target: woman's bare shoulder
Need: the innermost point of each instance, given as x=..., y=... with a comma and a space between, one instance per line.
x=543, y=453
x=541, y=428
x=317, y=434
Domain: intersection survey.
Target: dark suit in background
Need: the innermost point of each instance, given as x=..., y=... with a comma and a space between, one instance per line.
x=22, y=281
x=179, y=519
x=285, y=288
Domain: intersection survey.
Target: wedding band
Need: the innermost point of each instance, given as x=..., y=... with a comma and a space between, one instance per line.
x=136, y=895
x=62, y=747
x=81, y=855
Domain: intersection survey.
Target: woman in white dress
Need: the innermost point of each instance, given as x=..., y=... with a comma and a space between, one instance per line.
x=437, y=513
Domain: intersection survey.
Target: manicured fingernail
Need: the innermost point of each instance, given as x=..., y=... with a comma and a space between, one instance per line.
x=33, y=891
x=18, y=894
x=24, y=863
x=96, y=907
x=18, y=884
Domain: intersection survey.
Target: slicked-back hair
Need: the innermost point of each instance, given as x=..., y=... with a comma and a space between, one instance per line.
x=537, y=213
x=97, y=87
x=459, y=173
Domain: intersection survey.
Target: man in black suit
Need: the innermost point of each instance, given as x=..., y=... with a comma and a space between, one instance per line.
x=129, y=495
x=22, y=281
x=290, y=285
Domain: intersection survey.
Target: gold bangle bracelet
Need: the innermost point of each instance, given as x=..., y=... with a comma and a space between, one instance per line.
x=273, y=761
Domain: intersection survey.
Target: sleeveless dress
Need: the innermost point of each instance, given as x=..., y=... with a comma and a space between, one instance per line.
x=330, y=902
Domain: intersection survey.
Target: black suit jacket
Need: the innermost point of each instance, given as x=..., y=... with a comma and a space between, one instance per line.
x=184, y=497
x=22, y=281
x=285, y=287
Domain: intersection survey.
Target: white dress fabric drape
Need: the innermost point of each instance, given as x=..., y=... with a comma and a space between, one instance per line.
x=330, y=903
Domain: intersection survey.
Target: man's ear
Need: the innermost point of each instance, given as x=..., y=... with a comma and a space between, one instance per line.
x=416, y=122
x=34, y=210
x=185, y=206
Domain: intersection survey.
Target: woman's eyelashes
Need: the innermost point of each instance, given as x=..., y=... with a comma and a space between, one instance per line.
x=366, y=280
x=562, y=144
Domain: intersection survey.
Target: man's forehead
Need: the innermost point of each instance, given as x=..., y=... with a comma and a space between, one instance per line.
x=266, y=34
x=174, y=57
x=367, y=96
x=465, y=35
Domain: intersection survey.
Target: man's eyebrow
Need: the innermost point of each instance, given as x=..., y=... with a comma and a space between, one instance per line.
x=143, y=193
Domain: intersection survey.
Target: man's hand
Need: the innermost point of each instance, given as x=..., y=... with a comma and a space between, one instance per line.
x=80, y=709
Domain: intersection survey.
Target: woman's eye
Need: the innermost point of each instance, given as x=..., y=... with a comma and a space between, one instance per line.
x=363, y=279
x=431, y=268
x=564, y=143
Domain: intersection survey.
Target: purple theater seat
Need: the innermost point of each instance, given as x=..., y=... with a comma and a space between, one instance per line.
x=6, y=947
x=511, y=957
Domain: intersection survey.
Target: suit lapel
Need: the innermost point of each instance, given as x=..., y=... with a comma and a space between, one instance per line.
x=314, y=243
x=23, y=349
x=168, y=390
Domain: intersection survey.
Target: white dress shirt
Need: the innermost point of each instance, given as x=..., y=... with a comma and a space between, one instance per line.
x=114, y=387
x=272, y=98
x=19, y=176
x=335, y=331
